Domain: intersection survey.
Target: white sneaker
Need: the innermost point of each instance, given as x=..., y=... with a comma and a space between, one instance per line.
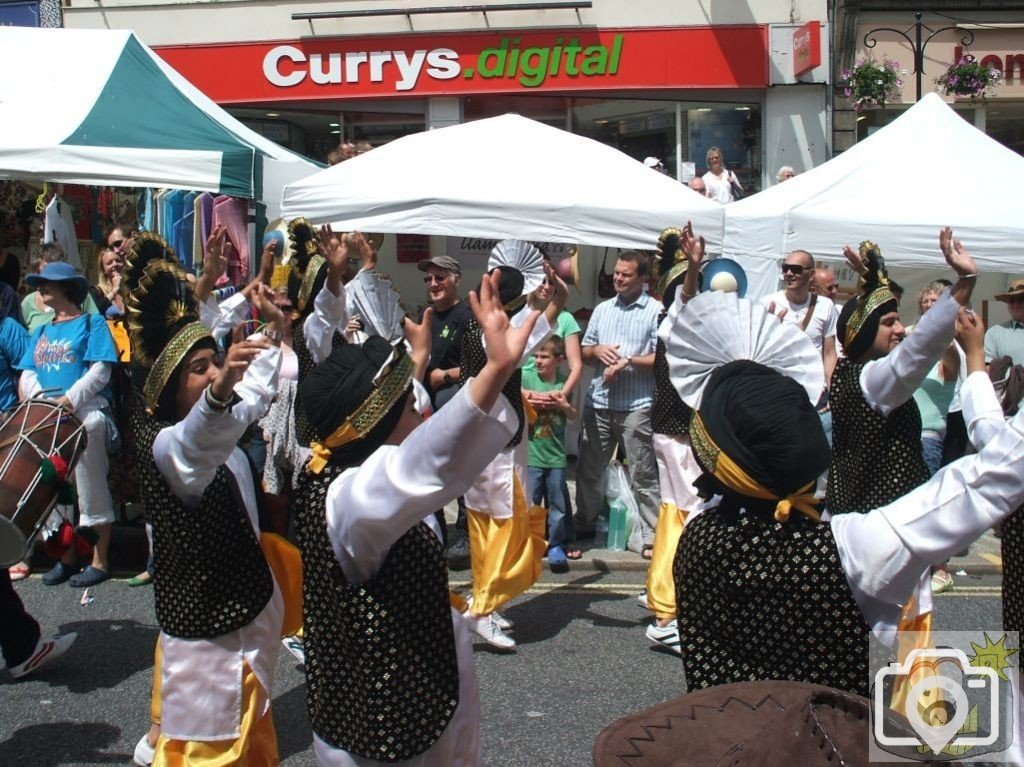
x=143, y=752
x=665, y=636
x=487, y=628
x=295, y=646
x=642, y=600
x=503, y=623
x=46, y=652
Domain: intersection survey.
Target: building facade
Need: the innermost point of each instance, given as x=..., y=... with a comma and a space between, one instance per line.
x=991, y=31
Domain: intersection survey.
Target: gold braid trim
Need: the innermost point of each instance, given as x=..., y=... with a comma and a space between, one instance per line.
x=170, y=357
x=515, y=304
x=390, y=384
x=880, y=295
x=732, y=475
x=306, y=289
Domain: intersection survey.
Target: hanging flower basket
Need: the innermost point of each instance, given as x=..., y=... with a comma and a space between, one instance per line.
x=967, y=78
x=872, y=83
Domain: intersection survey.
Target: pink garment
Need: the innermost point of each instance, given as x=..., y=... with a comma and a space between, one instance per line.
x=232, y=213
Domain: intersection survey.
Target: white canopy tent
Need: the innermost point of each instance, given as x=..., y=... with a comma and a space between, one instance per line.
x=927, y=169
x=503, y=177
x=100, y=107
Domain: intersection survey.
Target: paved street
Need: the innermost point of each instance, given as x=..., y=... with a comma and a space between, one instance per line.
x=582, y=662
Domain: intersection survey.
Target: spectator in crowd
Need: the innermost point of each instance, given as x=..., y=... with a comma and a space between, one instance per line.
x=785, y=173
x=1007, y=339
x=544, y=386
x=70, y=359
x=120, y=238
x=334, y=157
x=10, y=269
x=824, y=283
x=815, y=315
x=362, y=147
x=721, y=183
x=567, y=329
x=697, y=184
x=442, y=277
x=933, y=398
x=655, y=164
x=14, y=342
x=34, y=310
x=107, y=290
x=619, y=342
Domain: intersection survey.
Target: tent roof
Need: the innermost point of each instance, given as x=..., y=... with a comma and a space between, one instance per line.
x=501, y=177
x=927, y=169
x=102, y=108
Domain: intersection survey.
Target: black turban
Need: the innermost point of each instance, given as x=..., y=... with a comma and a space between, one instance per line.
x=765, y=423
x=510, y=286
x=338, y=386
x=862, y=337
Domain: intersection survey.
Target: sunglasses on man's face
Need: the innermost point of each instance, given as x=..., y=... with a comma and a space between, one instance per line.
x=434, y=278
x=793, y=268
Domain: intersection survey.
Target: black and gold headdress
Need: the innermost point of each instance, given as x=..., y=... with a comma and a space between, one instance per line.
x=307, y=265
x=671, y=262
x=858, y=322
x=163, y=315
x=352, y=392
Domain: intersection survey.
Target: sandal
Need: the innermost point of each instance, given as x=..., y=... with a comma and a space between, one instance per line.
x=142, y=579
x=59, y=573
x=557, y=560
x=90, y=576
x=647, y=551
x=19, y=571
x=571, y=552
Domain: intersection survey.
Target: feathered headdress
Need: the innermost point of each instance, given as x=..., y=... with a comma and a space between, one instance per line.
x=858, y=322
x=163, y=315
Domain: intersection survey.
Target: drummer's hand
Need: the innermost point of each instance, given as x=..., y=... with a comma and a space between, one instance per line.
x=239, y=357
x=65, y=403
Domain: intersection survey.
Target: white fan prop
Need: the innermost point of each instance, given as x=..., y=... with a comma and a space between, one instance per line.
x=520, y=255
x=715, y=328
x=372, y=298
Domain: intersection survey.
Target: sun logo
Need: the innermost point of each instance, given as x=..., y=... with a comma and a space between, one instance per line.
x=993, y=655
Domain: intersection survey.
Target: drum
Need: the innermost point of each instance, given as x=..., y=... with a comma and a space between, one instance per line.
x=35, y=431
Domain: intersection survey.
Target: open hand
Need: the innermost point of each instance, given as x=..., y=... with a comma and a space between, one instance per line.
x=335, y=249
x=955, y=254
x=215, y=256
x=854, y=260
x=692, y=246
x=239, y=357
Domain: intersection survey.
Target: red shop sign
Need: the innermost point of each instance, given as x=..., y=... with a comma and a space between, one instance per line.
x=806, y=47
x=476, y=63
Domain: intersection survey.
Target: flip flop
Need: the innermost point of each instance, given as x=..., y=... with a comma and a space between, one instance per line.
x=140, y=580
x=557, y=560
x=647, y=551
x=572, y=553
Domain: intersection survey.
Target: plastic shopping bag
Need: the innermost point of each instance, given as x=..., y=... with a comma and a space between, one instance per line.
x=623, y=511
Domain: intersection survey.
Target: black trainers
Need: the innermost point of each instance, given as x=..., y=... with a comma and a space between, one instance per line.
x=458, y=551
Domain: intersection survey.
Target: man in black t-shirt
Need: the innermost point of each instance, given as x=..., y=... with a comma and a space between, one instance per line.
x=442, y=278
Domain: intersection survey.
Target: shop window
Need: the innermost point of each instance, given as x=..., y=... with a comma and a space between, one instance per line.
x=1004, y=121
x=644, y=129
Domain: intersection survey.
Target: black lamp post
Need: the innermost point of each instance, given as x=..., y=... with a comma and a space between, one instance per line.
x=917, y=45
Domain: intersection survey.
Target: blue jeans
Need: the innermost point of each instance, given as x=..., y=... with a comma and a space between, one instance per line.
x=931, y=449
x=550, y=489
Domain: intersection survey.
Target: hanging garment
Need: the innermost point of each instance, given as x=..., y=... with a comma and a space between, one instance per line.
x=60, y=228
x=232, y=213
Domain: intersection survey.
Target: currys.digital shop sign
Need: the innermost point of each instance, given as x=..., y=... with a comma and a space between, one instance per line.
x=476, y=63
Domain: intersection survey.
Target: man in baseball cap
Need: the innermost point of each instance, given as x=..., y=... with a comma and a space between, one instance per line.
x=451, y=315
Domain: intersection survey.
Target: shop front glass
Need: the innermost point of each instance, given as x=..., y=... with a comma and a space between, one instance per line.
x=315, y=133
x=678, y=133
